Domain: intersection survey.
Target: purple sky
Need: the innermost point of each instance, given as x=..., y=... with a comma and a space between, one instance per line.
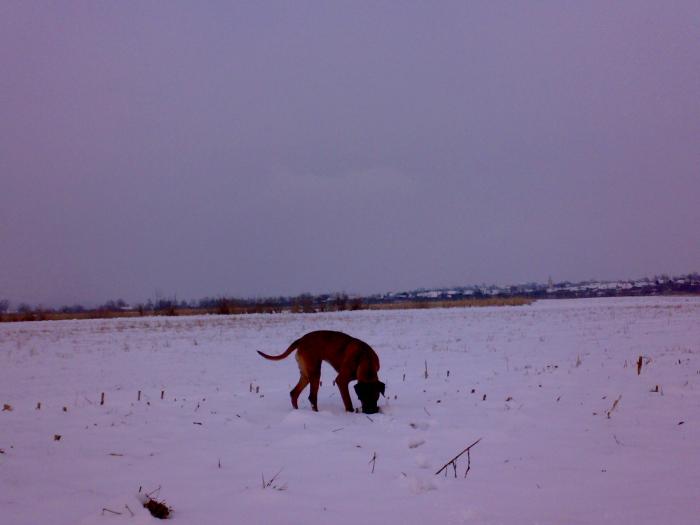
x=190, y=149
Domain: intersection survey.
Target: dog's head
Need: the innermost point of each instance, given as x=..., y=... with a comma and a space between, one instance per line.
x=369, y=395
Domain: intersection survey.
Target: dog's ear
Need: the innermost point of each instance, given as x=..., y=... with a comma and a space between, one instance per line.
x=382, y=386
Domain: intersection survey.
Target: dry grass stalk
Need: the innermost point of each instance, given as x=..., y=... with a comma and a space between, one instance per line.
x=614, y=405
x=270, y=484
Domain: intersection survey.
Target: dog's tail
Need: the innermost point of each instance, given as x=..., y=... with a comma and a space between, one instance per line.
x=286, y=353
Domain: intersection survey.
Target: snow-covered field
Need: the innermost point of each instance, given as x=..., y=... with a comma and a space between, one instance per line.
x=537, y=383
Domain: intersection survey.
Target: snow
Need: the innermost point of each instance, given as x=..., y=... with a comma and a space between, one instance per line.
x=544, y=378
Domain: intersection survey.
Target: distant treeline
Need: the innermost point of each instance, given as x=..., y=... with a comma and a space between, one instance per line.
x=306, y=303
x=471, y=296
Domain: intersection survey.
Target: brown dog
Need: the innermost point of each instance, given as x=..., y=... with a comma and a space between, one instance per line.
x=351, y=358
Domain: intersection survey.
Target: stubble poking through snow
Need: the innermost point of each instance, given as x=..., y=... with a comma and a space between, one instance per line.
x=537, y=384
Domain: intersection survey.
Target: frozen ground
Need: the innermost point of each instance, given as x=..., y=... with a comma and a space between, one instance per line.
x=536, y=383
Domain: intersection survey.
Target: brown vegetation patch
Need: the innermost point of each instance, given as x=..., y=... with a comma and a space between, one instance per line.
x=456, y=303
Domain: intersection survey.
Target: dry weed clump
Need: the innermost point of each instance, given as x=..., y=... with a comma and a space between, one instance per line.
x=158, y=509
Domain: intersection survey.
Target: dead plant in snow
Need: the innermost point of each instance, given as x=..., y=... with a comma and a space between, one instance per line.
x=271, y=483
x=453, y=461
x=158, y=509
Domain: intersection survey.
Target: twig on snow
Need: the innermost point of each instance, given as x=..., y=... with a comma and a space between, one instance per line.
x=453, y=461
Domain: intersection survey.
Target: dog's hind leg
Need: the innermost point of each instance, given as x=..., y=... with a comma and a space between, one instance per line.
x=301, y=385
x=310, y=371
x=311, y=368
x=313, y=395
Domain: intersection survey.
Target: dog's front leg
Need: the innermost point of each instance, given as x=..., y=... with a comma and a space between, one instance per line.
x=342, y=383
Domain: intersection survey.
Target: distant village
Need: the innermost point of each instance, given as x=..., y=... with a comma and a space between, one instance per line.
x=660, y=285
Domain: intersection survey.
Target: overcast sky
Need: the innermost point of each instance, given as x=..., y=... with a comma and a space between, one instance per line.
x=253, y=149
